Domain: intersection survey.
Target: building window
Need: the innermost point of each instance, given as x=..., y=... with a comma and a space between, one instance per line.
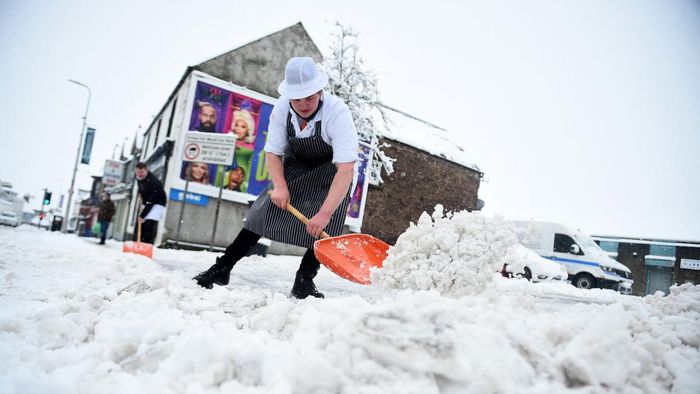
x=609, y=246
x=170, y=121
x=662, y=250
x=155, y=141
x=145, y=144
x=659, y=261
x=661, y=256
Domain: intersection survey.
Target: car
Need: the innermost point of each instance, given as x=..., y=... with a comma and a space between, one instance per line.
x=9, y=219
x=522, y=262
x=43, y=223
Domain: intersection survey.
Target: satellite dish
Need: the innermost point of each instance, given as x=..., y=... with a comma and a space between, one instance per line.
x=479, y=204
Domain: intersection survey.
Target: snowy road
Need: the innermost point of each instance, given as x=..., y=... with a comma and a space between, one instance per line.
x=80, y=318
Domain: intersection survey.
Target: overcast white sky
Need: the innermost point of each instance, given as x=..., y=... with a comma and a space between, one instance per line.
x=581, y=112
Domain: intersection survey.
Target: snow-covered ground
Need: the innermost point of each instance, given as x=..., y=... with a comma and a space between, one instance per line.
x=76, y=317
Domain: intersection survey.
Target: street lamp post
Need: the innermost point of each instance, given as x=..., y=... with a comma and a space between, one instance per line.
x=77, y=157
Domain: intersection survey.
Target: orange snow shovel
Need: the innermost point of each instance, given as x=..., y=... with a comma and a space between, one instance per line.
x=138, y=247
x=350, y=256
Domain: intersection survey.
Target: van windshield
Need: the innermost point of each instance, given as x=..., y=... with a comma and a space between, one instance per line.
x=586, y=241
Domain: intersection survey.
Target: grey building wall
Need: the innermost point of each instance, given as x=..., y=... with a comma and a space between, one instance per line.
x=198, y=222
x=259, y=65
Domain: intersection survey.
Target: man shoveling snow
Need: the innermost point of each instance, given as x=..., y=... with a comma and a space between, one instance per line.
x=311, y=151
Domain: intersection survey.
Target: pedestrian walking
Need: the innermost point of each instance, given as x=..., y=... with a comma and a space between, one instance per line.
x=311, y=151
x=105, y=215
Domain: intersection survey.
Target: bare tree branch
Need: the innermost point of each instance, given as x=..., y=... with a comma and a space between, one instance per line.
x=358, y=88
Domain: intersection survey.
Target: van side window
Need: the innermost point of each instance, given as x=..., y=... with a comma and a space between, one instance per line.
x=562, y=244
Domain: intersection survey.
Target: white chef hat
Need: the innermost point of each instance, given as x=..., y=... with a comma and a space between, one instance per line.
x=301, y=78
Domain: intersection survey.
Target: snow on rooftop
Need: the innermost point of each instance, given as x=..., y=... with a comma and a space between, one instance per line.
x=656, y=257
x=647, y=240
x=425, y=136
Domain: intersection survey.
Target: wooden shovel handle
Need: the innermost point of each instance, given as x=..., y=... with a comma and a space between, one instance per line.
x=138, y=224
x=301, y=216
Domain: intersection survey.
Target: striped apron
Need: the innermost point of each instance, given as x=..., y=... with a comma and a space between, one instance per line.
x=309, y=172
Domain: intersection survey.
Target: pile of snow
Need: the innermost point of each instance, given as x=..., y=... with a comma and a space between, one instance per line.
x=454, y=253
x=81, y=318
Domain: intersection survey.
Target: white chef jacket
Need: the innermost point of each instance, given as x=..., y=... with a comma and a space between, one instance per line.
x=337, y=128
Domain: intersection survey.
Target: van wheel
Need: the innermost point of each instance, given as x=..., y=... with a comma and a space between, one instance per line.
x=527, y=274
x=584, y=281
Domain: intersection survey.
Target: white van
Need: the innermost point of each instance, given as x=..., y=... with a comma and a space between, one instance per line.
x=587, y=264
x=9, y=218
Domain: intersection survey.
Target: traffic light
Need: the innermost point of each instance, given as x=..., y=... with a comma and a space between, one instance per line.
x=41, y=216
x=47, y=197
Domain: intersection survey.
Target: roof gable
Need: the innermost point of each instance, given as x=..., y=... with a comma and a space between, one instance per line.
x=259, y=65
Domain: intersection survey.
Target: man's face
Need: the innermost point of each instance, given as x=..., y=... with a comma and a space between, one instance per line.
x=141, y=173
x=307, y=105
x=207, y=118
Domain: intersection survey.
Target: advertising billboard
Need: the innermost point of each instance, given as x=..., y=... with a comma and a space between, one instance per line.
x=358, y=193
x=226, y=110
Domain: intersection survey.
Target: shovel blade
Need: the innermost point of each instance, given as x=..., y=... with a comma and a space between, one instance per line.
x=141, y=248
x=351, y=256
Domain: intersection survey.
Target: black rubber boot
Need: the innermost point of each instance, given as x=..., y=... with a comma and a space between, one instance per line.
x=219, y=273
x=304, y=286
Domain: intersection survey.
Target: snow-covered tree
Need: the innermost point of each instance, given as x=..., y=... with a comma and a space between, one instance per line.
x=349, y=80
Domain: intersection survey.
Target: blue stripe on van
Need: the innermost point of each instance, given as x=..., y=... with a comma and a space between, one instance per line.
x=572, y=261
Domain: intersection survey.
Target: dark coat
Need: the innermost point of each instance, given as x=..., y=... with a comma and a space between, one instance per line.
x=106, y=211
x=152, y=193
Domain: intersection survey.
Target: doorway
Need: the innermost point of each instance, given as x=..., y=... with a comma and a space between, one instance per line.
x=659, y=279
